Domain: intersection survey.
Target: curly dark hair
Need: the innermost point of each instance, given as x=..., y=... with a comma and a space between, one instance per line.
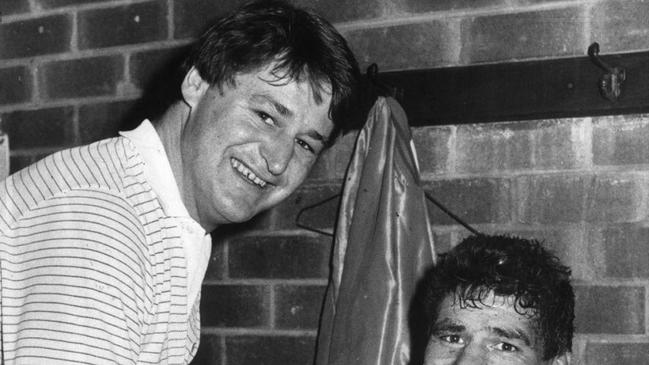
x=507, y=266
x=304, y=45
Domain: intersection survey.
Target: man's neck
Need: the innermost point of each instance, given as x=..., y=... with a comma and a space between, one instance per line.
x=170, y=127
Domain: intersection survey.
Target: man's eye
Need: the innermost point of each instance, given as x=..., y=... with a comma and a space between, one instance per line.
x=451, y=339
x=506, y=347
x=266, y=118
x=305, y=145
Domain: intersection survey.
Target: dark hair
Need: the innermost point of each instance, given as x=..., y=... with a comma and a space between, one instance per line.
x=508, y=266
x=304, y=45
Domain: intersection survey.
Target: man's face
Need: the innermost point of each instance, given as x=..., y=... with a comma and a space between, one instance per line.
x=245, y=148
x=491, y=334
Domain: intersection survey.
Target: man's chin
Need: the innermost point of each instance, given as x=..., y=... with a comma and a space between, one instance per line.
x=241, y=215
x=241, y=210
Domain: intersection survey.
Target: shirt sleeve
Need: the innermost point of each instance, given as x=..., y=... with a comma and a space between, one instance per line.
x=75, y=278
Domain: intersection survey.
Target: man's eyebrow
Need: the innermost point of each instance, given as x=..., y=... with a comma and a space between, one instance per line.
x=279, y=107
x=512, y=334
x=286, y=112
x=448, y=325
x=317, y=136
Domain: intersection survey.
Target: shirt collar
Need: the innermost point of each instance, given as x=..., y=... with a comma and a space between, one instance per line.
x=157, y=168
x=195, y=241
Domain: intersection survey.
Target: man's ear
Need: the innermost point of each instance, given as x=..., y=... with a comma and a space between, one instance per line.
x=565, y=359
x=193, y=87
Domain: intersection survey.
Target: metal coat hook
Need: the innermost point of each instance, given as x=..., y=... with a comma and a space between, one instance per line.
x=610, y=84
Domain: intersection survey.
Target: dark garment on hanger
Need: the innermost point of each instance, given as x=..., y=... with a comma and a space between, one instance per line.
x=383, y=243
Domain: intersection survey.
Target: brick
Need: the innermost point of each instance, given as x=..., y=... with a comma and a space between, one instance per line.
x=422, y=6
x=216, y=267
x=192, y=17
x=493, y=147
x=287, y=257
x=209, y=352
x=551, y=33
x=483, y=200
x=616, y=198
x=48, y=4
x=82, y=77
x=621, y=139
x=33, y=37
x=443, y=241
x=104, y=120
x=571, y=247
x=538, y=144
x=15, y=85
x=532, y=2
x=157, y=74
x=41, y=128
x=322, y=216
x=433, y=146
x=343, y=11
x=609, y=310
x=270, y=350
x=10, y=7
x=136, y=23
x=149, y=66
x=235, y=306
x=559, y=144
x=409, y=46
x=298, y=307
x=620, y=26
x=626, y=249
x=550, y=199
x=617, y=353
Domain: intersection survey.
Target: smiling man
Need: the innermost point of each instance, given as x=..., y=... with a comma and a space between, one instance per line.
x=499, y=300
x=103, y=247
x=245, y=147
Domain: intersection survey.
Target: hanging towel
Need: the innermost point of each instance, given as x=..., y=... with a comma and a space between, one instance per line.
x=383, y=243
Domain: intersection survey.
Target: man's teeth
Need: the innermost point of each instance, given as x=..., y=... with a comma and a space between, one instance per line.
x=247, y=173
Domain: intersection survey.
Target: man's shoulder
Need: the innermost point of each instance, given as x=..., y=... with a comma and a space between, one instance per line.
x=108, y=170
x=98, y=164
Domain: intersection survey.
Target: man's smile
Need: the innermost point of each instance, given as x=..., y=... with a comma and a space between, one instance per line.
x=245, y=172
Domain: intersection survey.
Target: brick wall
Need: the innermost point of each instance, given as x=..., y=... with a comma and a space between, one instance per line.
x=71, y=71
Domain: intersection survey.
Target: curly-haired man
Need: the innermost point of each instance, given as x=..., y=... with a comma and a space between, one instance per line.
x=499, y=300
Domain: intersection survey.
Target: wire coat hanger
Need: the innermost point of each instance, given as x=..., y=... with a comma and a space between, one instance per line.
x=373, y=89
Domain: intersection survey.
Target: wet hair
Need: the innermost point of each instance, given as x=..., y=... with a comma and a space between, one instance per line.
x=509, y=267
x=304, y=46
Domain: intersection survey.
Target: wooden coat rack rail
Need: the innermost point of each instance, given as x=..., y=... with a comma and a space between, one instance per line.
x=556, y=88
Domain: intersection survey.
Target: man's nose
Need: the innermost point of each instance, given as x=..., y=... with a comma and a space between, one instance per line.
x=471, y=355
x=277, y=151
